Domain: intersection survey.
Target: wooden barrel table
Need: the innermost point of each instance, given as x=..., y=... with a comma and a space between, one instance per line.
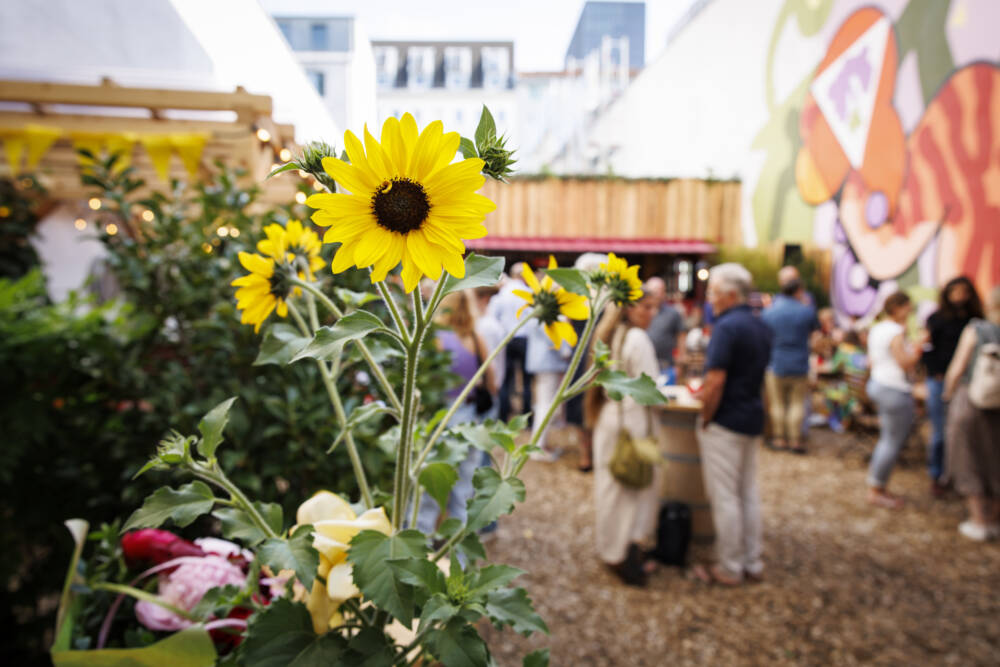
x=682, y=479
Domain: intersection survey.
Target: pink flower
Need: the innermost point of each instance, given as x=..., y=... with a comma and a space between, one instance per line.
x=151, y=545
x=184, y=587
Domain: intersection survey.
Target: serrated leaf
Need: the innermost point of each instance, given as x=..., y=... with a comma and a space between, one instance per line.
x=539, y=658
x=211, y=426
x=641, y=389
x=486, y=131
x=352, y=298
x=492, y=577
x=294, y=553
x=382, y=585
x=358, y=416
x=281, y=635
x=329, y=341
x=438, y=479
x=572, y=280
x=419, y=572
x=237, y=525
x=370, y=648
x=511, y=606
x=219, y=598
x=280, y=344
x=457, y=644
x=468, y=148
x=437, y=609
x=182, y=506
x=480, y=271
x=494, y=497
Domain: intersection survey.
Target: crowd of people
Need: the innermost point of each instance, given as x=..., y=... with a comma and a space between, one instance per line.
x=763, y=356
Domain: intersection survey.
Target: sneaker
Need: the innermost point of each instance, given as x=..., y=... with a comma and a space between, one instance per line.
x=974, y=531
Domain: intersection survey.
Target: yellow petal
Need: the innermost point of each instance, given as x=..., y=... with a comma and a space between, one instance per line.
x=408, y=128
x=395, y=148
x=552, y=262
x=446, y=151
x=423, y=254
x=390, y=258
x=323, y=505
x=254, y=263
x=356, y=153
x=376, y=157
x=340, y=583
x=371, y=245
x=425, y=154
x=349, y=177
x=565, y=331
x=530, y=279
x=411, y=272
x=343, y=259
x=573, y=306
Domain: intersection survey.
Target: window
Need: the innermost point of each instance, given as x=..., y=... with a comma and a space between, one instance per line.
x=457, y=66
x=318, y=80
x=319, y=37
x=286, y=30
x=420, y=67
x=386, y=66
x=496, y=66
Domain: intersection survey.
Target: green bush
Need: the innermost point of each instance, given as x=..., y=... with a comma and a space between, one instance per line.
x=92, y=388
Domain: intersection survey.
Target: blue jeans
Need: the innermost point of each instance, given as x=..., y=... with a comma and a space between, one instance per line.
x=429, y=511
x=938, y=411
x=895, y=418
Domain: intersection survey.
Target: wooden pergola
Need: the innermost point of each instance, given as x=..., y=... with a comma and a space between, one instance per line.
x=237, y=129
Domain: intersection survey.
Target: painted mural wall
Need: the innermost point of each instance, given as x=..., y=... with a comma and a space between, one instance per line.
x=888, y=151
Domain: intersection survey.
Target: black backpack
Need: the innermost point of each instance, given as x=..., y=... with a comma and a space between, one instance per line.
x=673, y=534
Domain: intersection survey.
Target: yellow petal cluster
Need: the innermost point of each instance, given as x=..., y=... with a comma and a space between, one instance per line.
x=623, y=279
x=406, y=202
x=284, y=244
x=335, y=524
x=261, y=291
x=556, y=303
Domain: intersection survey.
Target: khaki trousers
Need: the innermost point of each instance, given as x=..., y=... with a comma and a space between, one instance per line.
x=729, y=465
x=786, y=403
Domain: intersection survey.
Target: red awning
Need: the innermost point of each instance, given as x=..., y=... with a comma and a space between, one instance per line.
x=566, y=244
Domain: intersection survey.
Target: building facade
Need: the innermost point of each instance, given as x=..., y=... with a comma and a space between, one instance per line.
x=619, y=27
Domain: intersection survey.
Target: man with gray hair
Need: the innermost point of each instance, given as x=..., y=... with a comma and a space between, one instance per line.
x=732, y=418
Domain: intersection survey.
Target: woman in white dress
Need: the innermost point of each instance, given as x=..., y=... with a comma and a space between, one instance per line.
x=626, y=518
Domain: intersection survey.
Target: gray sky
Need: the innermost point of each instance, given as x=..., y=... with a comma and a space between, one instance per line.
x=540, y=29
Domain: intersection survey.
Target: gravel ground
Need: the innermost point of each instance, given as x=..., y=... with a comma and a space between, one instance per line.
x=846, y=583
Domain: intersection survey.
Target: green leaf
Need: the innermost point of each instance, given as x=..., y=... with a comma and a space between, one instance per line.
x=211, y=426
x=572, y=280
x=642, y=389
x=354, y=299
x=438, y=479
x=357, y=416
x=437, y=609
x=493, y=577
x=219, y=600
x=191, y=647
x=280, y=344
x=294, y=553
x=486, y=131
x=480, y=271
x=283, y=168
x=382, y=585
x=458, y=644
x=370, y=648
x=470, y=545
x=539, y=658
x=328, y=341
x=420, y=572
x=494, y=497
x=182, y=506
x=467, y=148
x=281, y=635
x=511, y=606
x=237, y=524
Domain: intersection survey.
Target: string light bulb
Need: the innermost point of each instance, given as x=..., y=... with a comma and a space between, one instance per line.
x=233, y=233
x=285, y=155
x=300, y=197
x=702, y=274
x=263, y=135
x=111, y=229
x=80, y=224
x=148, y=215
x=222, y=231
x=94, y=203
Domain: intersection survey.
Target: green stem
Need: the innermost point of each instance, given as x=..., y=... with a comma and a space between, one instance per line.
x=406, y=435
x=338, y=409
x=460, y=399
x=145, y=596
x=397, y=318
x=449, y=543
x=376, y=370
x=215, y=476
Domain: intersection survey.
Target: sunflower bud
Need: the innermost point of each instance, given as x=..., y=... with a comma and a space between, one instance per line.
x=311, y=162
x=490, y=148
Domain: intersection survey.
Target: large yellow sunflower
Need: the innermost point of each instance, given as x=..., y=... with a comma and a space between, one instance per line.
x=408, y=203
x=622, y=279
x=262, y=291
x=555, y=305
x=284, y=244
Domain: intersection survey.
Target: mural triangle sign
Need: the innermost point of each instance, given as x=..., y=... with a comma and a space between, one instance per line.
x=845, y=91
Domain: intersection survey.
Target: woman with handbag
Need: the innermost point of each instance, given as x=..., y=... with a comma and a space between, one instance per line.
x=625, y=493
x=972, y=384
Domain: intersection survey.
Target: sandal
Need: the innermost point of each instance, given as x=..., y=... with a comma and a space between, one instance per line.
x=712, y=575
x=773, y=445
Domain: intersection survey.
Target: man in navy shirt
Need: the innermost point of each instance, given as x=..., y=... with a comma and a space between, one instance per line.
x=732, y=418
x=793, y=322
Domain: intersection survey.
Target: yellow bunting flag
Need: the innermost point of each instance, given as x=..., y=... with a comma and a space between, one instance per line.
x=90, y=142
x=39, y=139
x=189, y=147
x=120, y=145
x=158, y=147
x=13, y=146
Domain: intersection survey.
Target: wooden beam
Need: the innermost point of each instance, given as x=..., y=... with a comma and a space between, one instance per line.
x=110, y=95
x=84, y=123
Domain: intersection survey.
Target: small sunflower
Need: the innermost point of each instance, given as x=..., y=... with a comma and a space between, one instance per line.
x=265, y=289
x=408, y=203
x=555, y=305
x=622, y=279
x=285, y=244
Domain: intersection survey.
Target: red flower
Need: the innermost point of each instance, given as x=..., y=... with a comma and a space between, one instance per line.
x=152, y=546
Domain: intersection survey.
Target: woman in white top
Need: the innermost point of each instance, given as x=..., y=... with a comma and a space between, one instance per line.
x=890, y=359
x=626, y=517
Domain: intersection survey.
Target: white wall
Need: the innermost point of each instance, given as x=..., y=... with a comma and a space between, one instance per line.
x=66, y=252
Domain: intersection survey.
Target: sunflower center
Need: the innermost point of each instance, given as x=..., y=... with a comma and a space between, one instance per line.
x=280, y=285
x=548, y=306
x=400, y=205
